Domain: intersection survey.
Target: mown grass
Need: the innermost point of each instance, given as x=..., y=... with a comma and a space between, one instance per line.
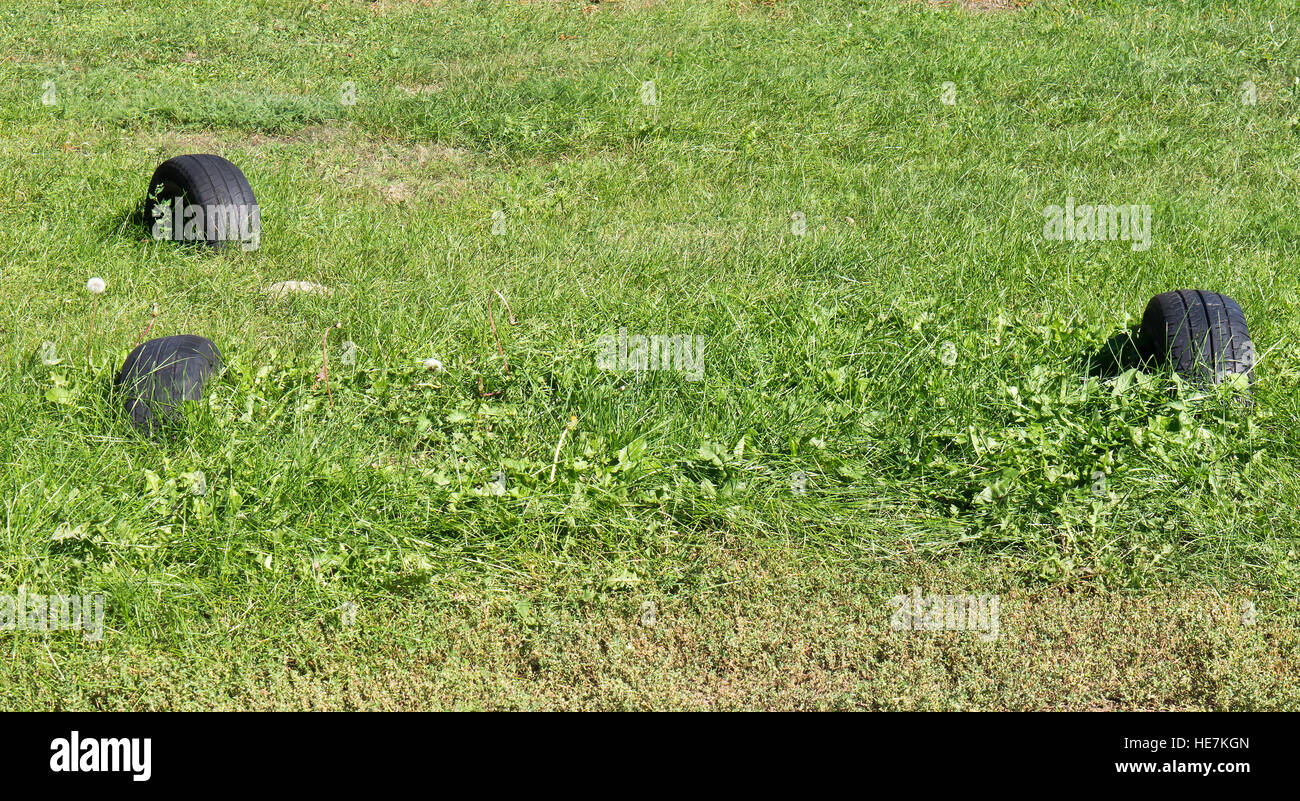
x=825, y=351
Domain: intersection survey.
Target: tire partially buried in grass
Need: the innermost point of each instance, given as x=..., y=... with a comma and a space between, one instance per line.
x=1202, y=334
x=161, y=374
x=203, y=198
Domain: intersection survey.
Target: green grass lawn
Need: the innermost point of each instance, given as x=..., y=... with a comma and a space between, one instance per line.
x=900, y=384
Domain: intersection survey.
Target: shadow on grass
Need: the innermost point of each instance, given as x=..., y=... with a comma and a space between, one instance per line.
x=1119, y=353
x=135, y=224
x=131, y=222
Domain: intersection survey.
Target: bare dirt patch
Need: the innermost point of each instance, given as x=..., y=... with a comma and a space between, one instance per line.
x=422, y=90
x=388, y=170
x=385, y=7
x=984, y=5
